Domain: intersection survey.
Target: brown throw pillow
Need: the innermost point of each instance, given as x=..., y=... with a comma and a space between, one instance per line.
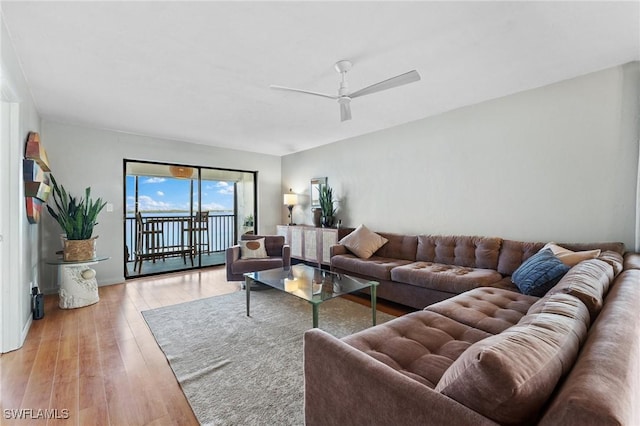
x=363, y=242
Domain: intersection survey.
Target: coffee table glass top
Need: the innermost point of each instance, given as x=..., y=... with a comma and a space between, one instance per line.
x=311, y=284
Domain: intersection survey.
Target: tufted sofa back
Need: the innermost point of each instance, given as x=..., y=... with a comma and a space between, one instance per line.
x=468, y=251
x=513, y=253
x=399, y=246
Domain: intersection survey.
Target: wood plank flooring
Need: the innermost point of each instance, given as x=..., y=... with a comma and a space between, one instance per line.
x=100, y=365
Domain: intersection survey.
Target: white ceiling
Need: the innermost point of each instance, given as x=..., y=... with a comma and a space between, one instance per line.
x=200, y=71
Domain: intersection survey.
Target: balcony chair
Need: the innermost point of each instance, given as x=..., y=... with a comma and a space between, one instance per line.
x=150, y=243
x=278, y=256
x=198, y=230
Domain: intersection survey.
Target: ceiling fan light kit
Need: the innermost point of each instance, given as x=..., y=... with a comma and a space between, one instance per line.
x=344, y=97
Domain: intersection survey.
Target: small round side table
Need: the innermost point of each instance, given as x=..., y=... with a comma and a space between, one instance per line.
x=77, y=281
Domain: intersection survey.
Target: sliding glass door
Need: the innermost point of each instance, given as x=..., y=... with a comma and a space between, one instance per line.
x=181, y=217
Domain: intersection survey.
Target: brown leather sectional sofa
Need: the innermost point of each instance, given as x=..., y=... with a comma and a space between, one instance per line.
x=489, y=355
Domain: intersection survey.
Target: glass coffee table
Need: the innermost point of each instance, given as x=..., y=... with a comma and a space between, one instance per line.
x=314, y=285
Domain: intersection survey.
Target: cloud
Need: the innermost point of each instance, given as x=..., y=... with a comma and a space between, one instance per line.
x=147, y=203
x=225, y=188
x=213, y=206
x=160, y=193
x=154, y=180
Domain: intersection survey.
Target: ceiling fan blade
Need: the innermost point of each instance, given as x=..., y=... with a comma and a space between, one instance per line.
x=308, y=92
x=399, y=80
x=345, y=111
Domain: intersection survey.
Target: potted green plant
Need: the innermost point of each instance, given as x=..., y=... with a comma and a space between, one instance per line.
x=77, y=217
x=326, y=205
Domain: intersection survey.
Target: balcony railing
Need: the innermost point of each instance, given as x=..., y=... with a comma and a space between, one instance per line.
x=216, y=234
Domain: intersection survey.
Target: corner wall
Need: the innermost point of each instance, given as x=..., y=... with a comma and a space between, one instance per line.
x=82, y=157
x=20, y=253
x=555, y=163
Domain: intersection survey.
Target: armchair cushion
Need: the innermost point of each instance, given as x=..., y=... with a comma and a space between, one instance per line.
x=278, y=255
x=253, y=249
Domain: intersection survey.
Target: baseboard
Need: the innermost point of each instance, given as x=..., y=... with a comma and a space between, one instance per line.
x=25, y=330
x=111, y=281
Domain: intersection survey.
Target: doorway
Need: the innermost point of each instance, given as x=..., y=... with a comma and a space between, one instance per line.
x=14, y=303
x=180, y=217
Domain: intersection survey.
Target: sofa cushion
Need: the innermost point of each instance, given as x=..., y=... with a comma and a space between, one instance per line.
x=251, y=265
x=614, y=259
x=375, y=266
x=604, y=246
x=631, y=260
x=363, y=242
x=449, y=278
x=489, y=309
x=603, y=385
x=588, y=281
x=506, y=284
x=472, y=252
x=253, y=249
x=420, y=345
x=539, y=273
x=570, y=257
x=509, y=377
x=399, y=246
x=558, y=304
x=513, y=253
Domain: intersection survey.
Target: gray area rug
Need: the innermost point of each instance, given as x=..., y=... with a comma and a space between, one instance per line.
x=239, y=370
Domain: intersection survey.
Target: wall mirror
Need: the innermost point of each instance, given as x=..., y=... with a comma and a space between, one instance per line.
x=315, y=191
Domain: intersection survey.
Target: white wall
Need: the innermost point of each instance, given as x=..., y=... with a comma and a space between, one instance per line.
x=82, y=157
x=555, y=163
x=20, y=253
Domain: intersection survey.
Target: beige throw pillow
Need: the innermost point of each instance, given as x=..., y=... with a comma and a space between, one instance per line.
x=253, y=249
x=571, y=258
x=363, y=242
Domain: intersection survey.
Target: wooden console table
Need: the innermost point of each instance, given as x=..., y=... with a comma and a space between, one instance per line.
x=312, y=244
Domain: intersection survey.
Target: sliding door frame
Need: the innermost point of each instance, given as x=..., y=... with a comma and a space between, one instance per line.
x=199, y=169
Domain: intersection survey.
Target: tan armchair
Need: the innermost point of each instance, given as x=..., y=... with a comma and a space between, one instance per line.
x=279, y=256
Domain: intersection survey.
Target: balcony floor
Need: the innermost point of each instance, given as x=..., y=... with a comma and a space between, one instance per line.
x=173, y=264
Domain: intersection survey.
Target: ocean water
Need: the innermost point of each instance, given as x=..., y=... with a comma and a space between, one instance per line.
x=174, y=227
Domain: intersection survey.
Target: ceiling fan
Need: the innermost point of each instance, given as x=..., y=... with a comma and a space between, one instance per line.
x=344, y=96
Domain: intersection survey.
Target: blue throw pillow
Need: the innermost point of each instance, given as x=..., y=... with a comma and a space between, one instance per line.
x=539, y=273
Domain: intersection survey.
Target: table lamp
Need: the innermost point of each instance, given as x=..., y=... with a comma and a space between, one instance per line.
x=290, y=200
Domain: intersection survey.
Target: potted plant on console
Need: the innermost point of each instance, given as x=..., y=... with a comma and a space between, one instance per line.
x=326, y=205
x=77, y=219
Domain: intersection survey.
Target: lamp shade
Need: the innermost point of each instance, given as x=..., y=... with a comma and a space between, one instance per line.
x=181, y=172
x=290, y=199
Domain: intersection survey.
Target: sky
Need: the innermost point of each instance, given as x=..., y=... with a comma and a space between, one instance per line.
x=158, y=193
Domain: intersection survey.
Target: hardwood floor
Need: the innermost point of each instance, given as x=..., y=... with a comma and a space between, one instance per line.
x=100, y=365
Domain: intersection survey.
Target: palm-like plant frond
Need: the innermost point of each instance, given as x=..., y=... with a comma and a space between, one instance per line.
x=76, y=217
x=326, y=201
